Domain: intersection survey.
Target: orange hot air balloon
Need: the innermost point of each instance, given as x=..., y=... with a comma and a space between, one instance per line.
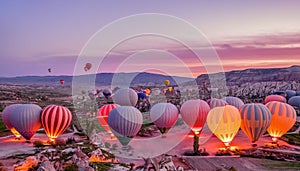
x=55, y=120
x=256, y=118
x=103, y=115
x=167, y=82
x=283, y=119
x=224, y=122
x=147, y=91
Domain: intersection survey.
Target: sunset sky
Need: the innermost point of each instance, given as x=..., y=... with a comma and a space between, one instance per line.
x=37, y=35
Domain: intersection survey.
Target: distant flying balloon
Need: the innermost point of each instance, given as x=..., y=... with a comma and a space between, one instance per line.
x=224, y=122
x=125, y=122
x=167, y=82
x=125, y=97
x=87, y=67
x=290, y=93
x=103, y=113
x=55, y=120
x=26, y=119
x=49, y=69
x=256, y=119
x=5, y=119
x=276, y=98
x=62, y=81
x=194, y=114
x=217, y=103
x=294, y=101
x=234, y=101
x=164, y=116
x=283, y=118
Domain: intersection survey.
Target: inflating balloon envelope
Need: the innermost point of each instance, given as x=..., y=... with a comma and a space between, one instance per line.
x=103, y=113
x=5, y=119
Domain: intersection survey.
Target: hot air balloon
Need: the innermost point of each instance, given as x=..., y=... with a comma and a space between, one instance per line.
x=103, y=115
x=295, y=101
x=283, y=119
x=62, y=81
x=126, y=97
x=167, y=82
x=5, y=119
x=25, y=118
x=107, y=92
x=125, y=122
x=87, y=66
x=194, y=113
x=290, y=93
x=49, y=69
x=275, y=97
x=224, y=122
x=217, y=103
x=256, y=118
x=164, y=116
x=298, y=93
x=147, y=91
x=234, y=101
x=281, y=93
x=141, y=96
x=55, y=120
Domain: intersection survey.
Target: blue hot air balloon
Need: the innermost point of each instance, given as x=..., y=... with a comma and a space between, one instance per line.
x=294, y=101
x=290, y=93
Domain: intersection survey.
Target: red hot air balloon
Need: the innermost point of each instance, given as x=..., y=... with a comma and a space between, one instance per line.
x=194, y=114
x=55, y=120
x=164, y=116
x=5, y=118
x=26, y=119
x=103, y=113
x=125, y=122
x=276, y=98
x=62, y=81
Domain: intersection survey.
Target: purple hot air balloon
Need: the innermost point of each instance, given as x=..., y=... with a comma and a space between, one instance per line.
x=125, y=122
x=5, y=118
x=234, y=101
x=26, y=119
x=164, y=116
x=217, y=103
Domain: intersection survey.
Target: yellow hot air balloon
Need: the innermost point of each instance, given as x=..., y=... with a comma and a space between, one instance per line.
x=224, y=122
x=167, y=82
x=283, y=118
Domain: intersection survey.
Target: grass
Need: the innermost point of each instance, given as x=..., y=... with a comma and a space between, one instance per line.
x=280, y=165
x=2, y=126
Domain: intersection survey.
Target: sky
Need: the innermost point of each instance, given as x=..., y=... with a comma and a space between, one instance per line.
x=37, y=35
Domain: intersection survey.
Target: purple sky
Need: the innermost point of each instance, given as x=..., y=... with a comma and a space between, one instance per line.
x=36, y=35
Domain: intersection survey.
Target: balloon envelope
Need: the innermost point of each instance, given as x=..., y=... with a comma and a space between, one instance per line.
x=5, y=119
x=256, y=118
x=281, y=93
x=125, y=97
x=103, y=113
x=164, y=116
x=283, y=118
x=298, y=93
x=167, y=82
x=294, y=101
x=234, y=101
x=217, y=103
x=107, y=92
x=62, y=81
x=26, y=119
x=224, y=122
x=275, y=97
x=125, y=122
x=194, y=114
x=141, y=96
x=55, y=120
x=87, y=66
x=290, y=93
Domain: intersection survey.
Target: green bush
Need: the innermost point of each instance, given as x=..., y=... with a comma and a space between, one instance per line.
x=71, y=167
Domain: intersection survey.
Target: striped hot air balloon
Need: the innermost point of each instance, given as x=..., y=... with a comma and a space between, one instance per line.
x=164, y=116
x=224, y=122
x=217, y=103
x=194, y=114
x=26, y=119
x=234, y=101
x=276, y=98
x=283, y=119
x=103, y=115
x=125, y=122
x=256, y=118
x=125, y=97
x=55, y=120
x=5, y=119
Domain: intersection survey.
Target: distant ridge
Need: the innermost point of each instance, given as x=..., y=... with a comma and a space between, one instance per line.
x=253, y=75
x=102, y=79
